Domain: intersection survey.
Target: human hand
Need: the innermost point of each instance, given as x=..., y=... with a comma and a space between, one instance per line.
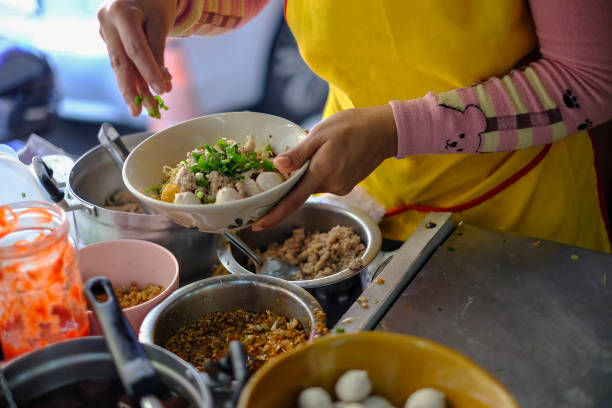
x=135, y=34
x=343, y=149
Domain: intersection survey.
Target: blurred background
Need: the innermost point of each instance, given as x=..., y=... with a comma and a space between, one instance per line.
x=56, y=80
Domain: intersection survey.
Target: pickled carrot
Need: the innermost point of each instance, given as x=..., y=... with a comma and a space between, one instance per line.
x=41, y=299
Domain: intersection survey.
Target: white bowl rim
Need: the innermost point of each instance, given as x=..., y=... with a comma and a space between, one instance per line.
x=191, y=207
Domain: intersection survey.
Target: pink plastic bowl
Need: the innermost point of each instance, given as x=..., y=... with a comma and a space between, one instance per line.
x=125, y=260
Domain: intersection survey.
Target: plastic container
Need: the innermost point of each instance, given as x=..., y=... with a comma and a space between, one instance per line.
x=41, y=299
x=17, y=182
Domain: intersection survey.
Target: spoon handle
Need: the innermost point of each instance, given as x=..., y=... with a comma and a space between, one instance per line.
x=242, y=246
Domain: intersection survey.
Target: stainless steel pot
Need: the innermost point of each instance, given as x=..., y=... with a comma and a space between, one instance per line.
x=88, y=359
x=255, y=293
x=93, y=178
x=336, y=292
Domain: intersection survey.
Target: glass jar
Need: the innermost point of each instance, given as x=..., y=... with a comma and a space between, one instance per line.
x=41, y=298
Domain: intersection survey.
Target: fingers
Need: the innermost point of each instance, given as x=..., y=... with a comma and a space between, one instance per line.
x=136, y=46
x=291, y=202
x=157, y=41
x=296, y=157
x=129, y=80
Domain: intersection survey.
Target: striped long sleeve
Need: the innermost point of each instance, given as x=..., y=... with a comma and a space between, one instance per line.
x=213, y=17
x=567, y=90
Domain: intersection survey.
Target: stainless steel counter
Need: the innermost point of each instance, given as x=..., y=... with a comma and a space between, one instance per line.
x=535, y=314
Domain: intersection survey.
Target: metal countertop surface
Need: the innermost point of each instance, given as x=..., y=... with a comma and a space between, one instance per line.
x=535, y=314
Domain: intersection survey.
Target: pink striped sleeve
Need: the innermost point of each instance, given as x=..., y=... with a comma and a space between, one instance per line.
x=569, y=89
x=213, y=17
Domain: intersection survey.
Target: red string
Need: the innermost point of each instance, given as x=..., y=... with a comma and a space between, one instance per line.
x=480, y=199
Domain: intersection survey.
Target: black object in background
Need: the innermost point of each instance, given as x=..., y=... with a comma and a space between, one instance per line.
x=27, y=93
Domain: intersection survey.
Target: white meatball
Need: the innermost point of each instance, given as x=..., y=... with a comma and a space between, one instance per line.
x=186, y=198
x=353, y=386
x=374, y=401
x=268, y=180
x=426, y=398
x=315, y=397
x=226, y=194
x=251, y=188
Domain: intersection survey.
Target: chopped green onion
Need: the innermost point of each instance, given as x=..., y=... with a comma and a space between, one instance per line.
x=200, y=194
x=268, y=148
x=154, y=189
x=340, y=330
x=267, y=164
x=574, y=257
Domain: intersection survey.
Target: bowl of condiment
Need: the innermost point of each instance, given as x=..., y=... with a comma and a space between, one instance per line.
x=405, y=371
x=214, y=173
x=332, y=244
x=267, y=315
x=142, y=274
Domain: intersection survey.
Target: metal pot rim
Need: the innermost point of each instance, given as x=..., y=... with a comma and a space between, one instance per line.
x=372, y=249
x=82, y=159
x=63, y=351
x=147, y=327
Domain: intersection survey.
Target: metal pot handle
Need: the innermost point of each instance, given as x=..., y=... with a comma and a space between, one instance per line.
x=44, y=174
x=137, y=375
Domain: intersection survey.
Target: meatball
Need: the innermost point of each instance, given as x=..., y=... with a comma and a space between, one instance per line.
x=426, y=398
x=353, y=386
x=267, y=180
x=226, y=195
x=315, y=397
x=186, y=198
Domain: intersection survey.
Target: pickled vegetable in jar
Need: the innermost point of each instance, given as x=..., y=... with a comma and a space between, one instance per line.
x=41, y=298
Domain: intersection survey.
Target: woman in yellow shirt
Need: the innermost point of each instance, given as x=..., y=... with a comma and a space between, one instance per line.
x=425, y=110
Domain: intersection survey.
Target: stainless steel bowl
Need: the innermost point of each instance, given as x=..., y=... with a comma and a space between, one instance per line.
x=87, y=359
x=335, y=292
x=255, y=293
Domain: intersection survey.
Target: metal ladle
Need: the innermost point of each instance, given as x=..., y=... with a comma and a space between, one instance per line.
x=275, y=267
x=110, y=140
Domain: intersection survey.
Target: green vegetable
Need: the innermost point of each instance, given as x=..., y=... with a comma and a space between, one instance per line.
x=574, y=257
x=267, y=164
x=229, y=160
x=23, y=195
x=339, y=330
x=200, y=195
x=154, y=189
x=155, y=110
x=268, y=148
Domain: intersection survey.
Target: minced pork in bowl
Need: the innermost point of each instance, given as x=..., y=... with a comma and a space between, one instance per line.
x=335, y=292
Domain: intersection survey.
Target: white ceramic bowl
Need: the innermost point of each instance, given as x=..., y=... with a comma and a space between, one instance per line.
x=143, y=167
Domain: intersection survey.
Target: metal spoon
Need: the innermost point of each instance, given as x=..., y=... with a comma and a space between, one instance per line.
x=263, y=265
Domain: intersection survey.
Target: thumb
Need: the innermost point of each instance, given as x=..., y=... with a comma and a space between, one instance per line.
x=297, y=156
